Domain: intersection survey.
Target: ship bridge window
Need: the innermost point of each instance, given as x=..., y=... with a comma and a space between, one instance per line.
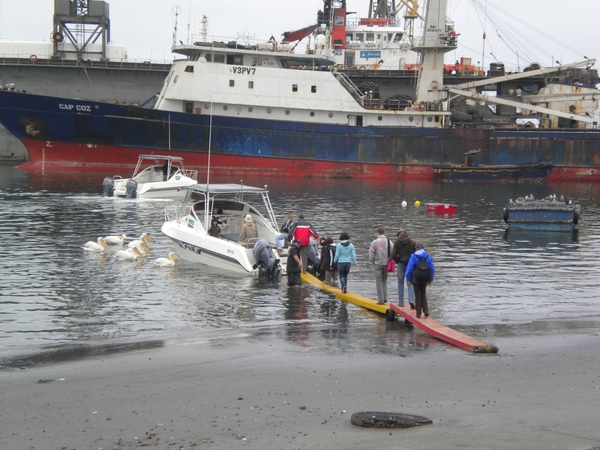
x=359, y=37
x=236, y=60
x=313, y=89
x=256, y=62
x=370, y=37
x=189, y=69
x=219, y=58
x=397, y=38
x=294, y=88
x=208, y=57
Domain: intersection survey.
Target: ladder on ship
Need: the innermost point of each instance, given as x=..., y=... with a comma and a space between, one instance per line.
x=487, y=151
x=350, y=87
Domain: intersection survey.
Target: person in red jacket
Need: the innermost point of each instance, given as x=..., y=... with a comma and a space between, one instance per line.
x=304, y=232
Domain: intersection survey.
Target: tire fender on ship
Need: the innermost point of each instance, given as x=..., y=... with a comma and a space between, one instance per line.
x=33, y=58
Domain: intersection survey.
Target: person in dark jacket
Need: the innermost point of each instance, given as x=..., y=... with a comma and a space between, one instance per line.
x=420, y=287
x=294, y=265
x=303, y=231
x=327, y=265
x=215, y=229
x=404, y=247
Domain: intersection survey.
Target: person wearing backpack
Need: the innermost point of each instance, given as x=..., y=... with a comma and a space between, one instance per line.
x=420, y=271
x=404, y=247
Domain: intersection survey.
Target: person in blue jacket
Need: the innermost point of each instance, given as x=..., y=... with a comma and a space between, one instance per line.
x=345, y=255
x=420, y=278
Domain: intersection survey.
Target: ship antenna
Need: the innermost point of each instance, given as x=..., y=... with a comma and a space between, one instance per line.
x=176, y=11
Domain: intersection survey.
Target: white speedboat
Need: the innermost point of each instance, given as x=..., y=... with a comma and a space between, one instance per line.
x=154, y=176
x=188, y=227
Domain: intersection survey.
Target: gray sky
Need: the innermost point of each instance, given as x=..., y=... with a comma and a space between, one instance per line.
x=145, y=27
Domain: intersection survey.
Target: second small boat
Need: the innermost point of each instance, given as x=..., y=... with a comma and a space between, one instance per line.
x=154, y=176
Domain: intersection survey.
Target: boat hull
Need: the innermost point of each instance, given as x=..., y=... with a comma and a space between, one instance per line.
x=72, y=134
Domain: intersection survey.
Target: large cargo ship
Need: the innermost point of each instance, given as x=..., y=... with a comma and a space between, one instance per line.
x=264, y=110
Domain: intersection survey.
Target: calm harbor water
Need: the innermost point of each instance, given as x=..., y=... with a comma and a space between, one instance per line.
x=58, y=301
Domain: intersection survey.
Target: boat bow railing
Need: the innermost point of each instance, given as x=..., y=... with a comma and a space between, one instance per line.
x=193, y=174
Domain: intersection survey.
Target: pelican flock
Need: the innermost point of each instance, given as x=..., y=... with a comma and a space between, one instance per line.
x=133, y=251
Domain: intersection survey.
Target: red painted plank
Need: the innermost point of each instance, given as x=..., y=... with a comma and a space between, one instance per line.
x=443, y=332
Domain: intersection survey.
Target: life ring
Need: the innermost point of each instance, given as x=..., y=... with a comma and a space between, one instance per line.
x=362, y=69
x=422, y=106
x=33, y=58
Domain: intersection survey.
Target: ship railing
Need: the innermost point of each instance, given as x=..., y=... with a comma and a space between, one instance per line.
x=350, y=87
x=33, y=60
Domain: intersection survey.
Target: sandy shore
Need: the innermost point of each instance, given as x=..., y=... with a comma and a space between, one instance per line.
x=539, y=392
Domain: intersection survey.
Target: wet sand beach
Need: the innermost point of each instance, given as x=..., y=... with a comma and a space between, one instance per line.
x=539, y=392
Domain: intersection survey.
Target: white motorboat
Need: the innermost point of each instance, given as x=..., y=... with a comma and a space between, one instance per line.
x=188, y=227
x=154, y=176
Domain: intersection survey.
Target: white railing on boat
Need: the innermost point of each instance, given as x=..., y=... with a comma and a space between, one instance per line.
x=193, y=174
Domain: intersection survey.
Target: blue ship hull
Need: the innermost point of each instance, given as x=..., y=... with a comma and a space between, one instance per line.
x=67, y=133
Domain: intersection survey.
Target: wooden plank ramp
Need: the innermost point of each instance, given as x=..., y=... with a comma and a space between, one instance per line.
x=443, y=332
x=426, y=324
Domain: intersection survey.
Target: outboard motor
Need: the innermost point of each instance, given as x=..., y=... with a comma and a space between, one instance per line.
x=131, y=188
x=313, y=257
x=268, y=266
x=108, y=187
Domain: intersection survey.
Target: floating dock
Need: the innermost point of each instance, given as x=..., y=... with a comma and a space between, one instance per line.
x=390, y=310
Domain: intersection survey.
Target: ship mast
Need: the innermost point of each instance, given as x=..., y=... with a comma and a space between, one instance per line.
x=439, y=38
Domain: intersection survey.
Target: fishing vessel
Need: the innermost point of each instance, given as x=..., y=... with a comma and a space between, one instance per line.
x=188, y=227
x=270, y=111
x=154, y=176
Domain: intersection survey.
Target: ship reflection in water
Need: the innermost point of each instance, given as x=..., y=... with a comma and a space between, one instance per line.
x=61, y=302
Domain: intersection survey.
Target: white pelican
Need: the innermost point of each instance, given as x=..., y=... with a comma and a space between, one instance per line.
x=115, y=240
x=145, y=238
x=167, y=262
x=141, y=246
x=131, y=254
x=98, y=246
